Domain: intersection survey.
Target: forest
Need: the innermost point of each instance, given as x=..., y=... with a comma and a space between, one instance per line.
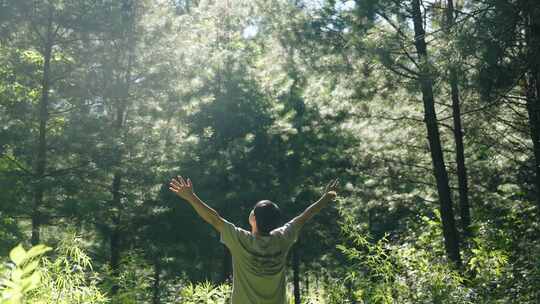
x=428, y=112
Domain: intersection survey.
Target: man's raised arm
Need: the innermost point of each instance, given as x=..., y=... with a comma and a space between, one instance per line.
x=328, y=196
x=184, y=189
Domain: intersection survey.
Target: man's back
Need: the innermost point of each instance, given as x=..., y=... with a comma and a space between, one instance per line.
x=259, y=263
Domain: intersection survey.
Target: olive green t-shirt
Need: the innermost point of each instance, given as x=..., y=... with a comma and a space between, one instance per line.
x=259, y=263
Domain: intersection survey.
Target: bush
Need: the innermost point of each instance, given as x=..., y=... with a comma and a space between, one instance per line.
x=66, y=279
x=206, y=292
x=134, y=279
x=387, y=273
x=23, y=274
x=414, y=268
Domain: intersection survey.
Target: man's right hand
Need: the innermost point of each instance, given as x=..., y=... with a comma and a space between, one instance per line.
x=328, y=195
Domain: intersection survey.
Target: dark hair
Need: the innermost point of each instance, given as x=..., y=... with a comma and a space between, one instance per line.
x=267, y=215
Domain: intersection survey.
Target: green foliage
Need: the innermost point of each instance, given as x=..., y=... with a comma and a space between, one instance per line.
x=205, y=292
x=385, y=273
x=134, y=280
x=414, y=270
x=24, y=274
x=254, y=100
x=67, y=279
x=335, y=292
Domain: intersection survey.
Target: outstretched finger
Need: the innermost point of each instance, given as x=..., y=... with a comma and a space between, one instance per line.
x=189, y=183
x=332, y=182
x=336, y=182
x=172, y=185
x=173, y=189
x=175, y=183
x=332, y=185
x=329, y=185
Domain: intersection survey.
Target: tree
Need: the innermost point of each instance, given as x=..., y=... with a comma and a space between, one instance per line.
x=407, y=60
x=123, y=121
x=43, y=44
x=441, y=175
x=463, y=186
x=531, y=17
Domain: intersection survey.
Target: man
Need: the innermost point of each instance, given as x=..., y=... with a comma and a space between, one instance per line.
x=259, y=257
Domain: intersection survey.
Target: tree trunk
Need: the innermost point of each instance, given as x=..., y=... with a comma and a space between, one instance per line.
x=451, y=240
x=460, y=159
x=532, y=92
x=533, y=109
x=41, y=153
x=350, y=292
x=306, y=284
x=156, y=285
x=115, y=237
x=296, y=274
x=370, y=220
x=115, y=259
x=464, y=207
x=226, y=275
x=116, y=229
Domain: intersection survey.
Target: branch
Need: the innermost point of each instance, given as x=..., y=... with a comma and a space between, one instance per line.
x=19, y=165
x=498, y=100
x=400, y=73
x=64, y=171
x=415, y=119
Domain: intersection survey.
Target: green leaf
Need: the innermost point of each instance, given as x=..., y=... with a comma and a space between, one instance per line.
x=37, y=251
x=30, y=267
x=32, y=282
x=15, y=298
x=16, y=275
x=10, y=284
x=17, y=255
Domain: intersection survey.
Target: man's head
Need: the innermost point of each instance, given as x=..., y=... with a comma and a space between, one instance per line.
x=265, y=217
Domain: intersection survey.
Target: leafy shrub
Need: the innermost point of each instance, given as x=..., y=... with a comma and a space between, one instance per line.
x=206, y=292
x=134, y=279
x=69, y=278
x=414, y=269
x=335, y=292
x=388, y=273
x=23, y=274
x=66, y=279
